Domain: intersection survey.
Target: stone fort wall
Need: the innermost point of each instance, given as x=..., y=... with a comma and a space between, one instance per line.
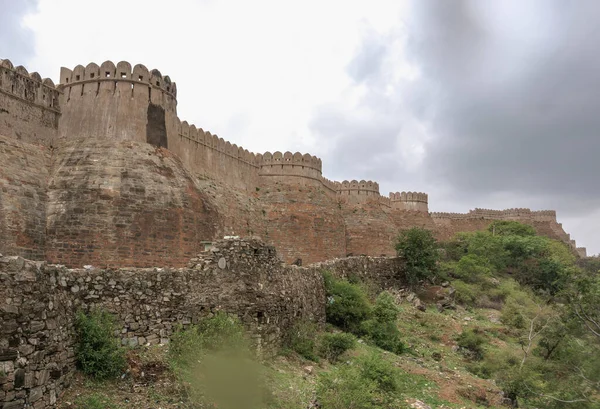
x=108, y=190
x=29, y=106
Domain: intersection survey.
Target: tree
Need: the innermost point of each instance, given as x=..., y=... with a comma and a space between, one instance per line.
x=419, y=250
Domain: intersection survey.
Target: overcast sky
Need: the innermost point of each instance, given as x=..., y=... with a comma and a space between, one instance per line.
x=491, y=104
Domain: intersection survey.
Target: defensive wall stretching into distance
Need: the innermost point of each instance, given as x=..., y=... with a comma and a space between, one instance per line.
x=120, y=102
x=132, y=103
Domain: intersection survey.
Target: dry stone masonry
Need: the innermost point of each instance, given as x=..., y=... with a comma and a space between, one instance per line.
x=38, y=302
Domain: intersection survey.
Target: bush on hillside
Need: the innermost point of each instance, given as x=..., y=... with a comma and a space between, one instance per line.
x=367, y=383
x=381, y=329
x=471, y=344
x=332, y=346
x=347, y=304
x=97, y=350
x=420, y=252
x=302, y=338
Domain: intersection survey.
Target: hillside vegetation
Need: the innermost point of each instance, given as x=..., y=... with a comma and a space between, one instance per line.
x=497, y=318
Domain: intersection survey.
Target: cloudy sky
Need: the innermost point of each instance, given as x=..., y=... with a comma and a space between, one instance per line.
x=489, y=104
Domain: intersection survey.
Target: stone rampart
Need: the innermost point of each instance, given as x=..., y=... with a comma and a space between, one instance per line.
x=212, y=157
x=29, y=106
x=355, y=192
x=23, y=198
x=38, y=303
x=117, y=102
x=409, y=201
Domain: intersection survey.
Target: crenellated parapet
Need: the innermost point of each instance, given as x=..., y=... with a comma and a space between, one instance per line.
x=409, y=201
x=507, y=214
x=291, y=168
x=30, y=107
x=356, y=192
x=29, y=87
x=108, y=77
x=207, y=140
x=291, y=160
x=117, y=101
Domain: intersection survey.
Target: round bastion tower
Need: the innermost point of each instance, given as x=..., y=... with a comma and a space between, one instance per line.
x=117, y=102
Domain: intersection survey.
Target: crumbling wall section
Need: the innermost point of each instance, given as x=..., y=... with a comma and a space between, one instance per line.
x=38, y=303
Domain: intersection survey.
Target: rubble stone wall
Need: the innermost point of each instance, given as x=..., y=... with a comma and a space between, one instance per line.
x=38, y=303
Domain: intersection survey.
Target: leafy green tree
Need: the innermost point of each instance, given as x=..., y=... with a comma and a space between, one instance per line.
x=511, y=228
x=419, y=250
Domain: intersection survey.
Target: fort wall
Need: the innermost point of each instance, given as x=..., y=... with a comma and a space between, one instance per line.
x=29, y=106
x=117, y=102
x=355, y=192
x=212, y=157
x=23, y=198
x=38, y=303
x=409, y=201
x=124, y=203
x=114, y=195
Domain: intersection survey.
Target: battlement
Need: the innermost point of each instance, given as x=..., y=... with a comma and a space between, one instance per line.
x=30, y=107
x=31, y=88
x=293, y=168
x=208, y=140
x=356, y=192
x=409, y=201
x=107, y=77
x=507, y=214
x=291, y=159
x=109, y=101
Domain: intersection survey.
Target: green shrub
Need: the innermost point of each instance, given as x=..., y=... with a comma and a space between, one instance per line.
x=344, y=388
x=367, y=383
x=97, y=350
x=385, y=308
x=465, y=294
x=419, y=250
x=383, y=334
x=512, y=315
x=471, y=343
x=332, y=346
x=373, y=367
x=302, y=339
x=347, y=304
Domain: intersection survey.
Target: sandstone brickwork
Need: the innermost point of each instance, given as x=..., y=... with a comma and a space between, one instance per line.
x=100, y=170
x=29, y=106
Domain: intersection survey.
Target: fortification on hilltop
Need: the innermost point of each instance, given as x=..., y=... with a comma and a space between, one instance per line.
x=101, y=170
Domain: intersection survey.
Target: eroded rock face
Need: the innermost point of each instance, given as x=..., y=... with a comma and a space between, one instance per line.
x=124, y=203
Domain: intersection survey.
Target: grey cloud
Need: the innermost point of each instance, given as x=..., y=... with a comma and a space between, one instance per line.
x=16, y=41
x=512, y=115
x=369, y=58
x=532, y=130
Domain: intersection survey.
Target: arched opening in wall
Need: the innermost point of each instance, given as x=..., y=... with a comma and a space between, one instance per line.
x=123, y=75
x=107, y=74
x=77, y=77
